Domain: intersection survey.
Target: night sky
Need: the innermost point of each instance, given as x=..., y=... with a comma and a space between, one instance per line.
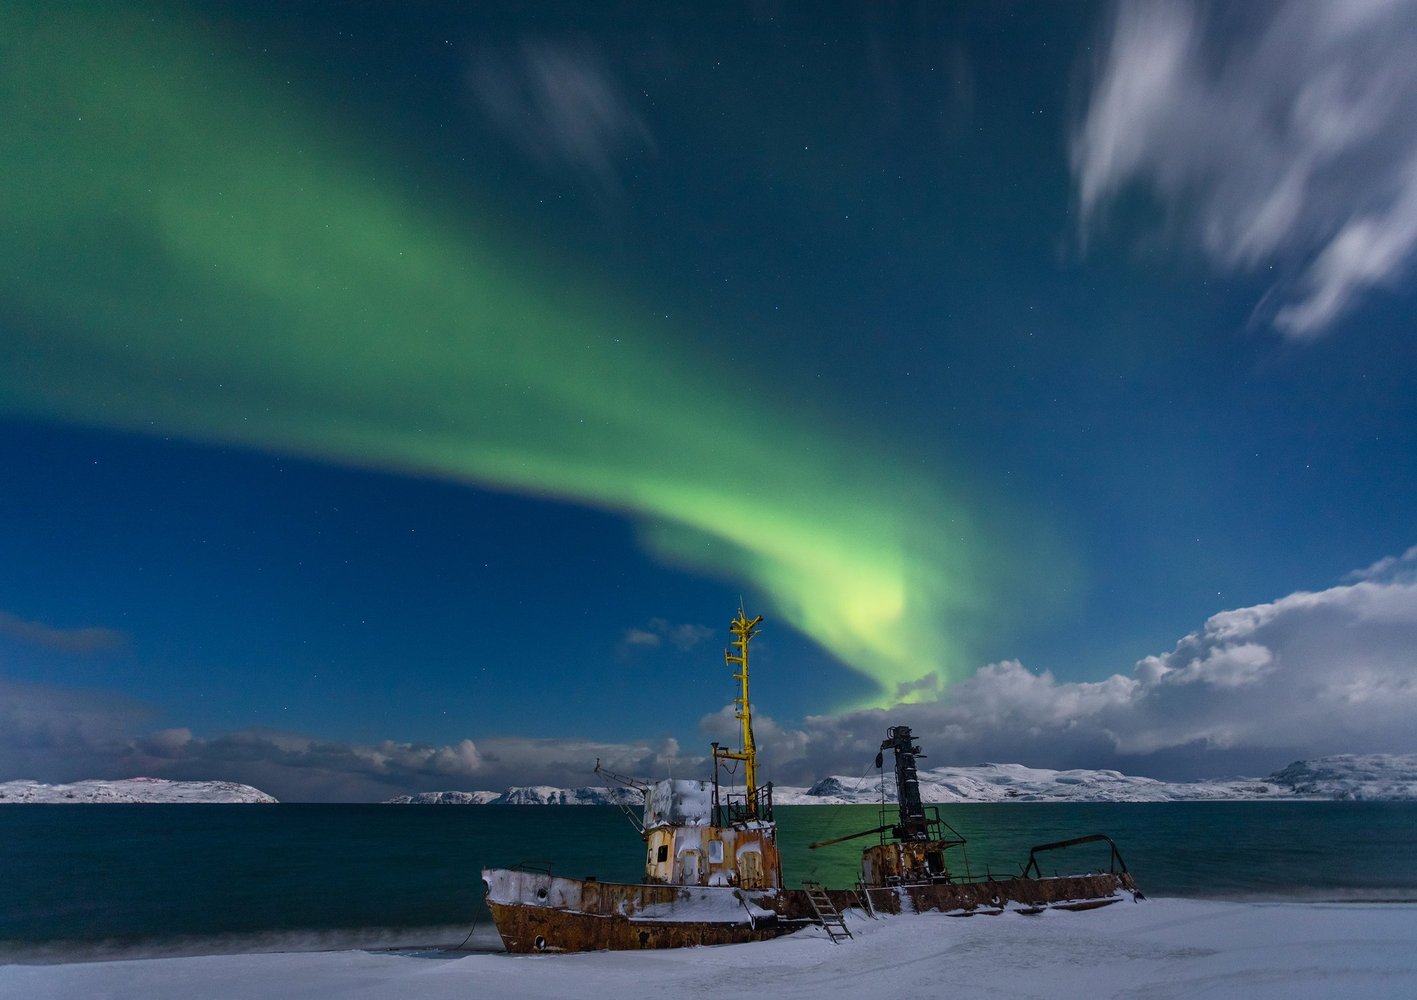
x=403, y=397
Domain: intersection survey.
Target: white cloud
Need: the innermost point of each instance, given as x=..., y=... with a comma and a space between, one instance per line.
x=1282, y=134
x=561, y=105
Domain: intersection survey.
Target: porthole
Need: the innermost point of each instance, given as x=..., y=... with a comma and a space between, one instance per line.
x=541, y=893
x=540, y=943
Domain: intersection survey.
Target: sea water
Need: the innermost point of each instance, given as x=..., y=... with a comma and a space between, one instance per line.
x=89, y=881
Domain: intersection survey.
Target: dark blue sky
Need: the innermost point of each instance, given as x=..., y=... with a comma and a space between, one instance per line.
x=1050, y=330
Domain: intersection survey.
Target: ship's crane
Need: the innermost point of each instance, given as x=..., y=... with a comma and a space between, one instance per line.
x=914, y=824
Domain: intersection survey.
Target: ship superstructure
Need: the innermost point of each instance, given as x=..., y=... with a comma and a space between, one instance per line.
x=701, y=833
x=713, y=872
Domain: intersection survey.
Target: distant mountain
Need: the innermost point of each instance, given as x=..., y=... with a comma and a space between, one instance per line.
x=444, y=799
x=1355, y=777
x=1367, y=777
x=525, y=795
x=131, y=790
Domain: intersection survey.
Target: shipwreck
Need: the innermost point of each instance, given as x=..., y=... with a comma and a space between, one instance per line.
x=713, y=870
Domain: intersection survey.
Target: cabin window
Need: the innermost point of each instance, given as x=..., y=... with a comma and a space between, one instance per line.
x=663, y=853
x=715, y=852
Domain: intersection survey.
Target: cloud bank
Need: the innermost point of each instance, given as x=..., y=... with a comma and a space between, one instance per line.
x=1310, y=674
x=1280, y=135
x=57, y=735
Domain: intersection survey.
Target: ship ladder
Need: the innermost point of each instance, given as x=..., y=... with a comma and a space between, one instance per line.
x=828, y=916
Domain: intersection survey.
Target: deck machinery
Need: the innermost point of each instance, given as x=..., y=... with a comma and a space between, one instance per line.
x=906, y=869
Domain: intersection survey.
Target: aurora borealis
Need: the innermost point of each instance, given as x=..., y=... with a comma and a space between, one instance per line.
x=378, y=377
x=218, y=269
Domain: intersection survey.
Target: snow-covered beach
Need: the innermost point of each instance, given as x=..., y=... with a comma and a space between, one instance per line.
x=1156, y=948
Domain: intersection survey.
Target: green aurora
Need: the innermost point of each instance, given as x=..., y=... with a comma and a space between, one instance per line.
x=191, y=250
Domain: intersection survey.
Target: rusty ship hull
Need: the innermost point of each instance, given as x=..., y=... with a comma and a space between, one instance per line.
x=538, y=912
x=1021, y=895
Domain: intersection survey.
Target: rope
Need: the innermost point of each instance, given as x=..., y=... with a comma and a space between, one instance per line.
x=835, y=813
x=469, y=935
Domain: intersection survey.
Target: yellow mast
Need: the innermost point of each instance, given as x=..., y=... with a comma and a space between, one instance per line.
x=743, y=630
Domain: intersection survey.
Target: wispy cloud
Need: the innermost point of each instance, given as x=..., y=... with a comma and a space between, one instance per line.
x=562, y=106
x=1280, y=135
x=640, y=637
x=684, y=636
x=89, y=639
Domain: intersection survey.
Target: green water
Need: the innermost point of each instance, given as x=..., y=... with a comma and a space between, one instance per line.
x=117, y=877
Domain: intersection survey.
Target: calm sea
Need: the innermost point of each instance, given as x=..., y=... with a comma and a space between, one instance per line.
x=93, y=881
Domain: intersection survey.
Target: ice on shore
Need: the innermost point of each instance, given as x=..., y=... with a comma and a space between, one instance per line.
x=1158, y=948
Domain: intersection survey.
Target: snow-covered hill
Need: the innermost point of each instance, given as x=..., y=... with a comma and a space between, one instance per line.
x=132, y=790
x=1017, y=783
x=1369, y=777
x=1373, y=777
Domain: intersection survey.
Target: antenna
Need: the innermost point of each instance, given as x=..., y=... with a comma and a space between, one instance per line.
x=743, y=630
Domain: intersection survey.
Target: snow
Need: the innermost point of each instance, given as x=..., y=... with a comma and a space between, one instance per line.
x=678, y=802
x=445, y=799
x=147, y=790
x=1368, y=777
x=1374, y=777
x=1169, y=948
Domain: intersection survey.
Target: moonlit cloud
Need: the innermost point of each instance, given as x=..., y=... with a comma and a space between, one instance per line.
x=1279, y=136
x=1333, y=671
x=561, y=105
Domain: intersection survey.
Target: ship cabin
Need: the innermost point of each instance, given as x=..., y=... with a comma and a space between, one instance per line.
x=695, y=837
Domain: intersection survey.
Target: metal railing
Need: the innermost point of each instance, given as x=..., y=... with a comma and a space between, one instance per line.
x=1114, y=863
